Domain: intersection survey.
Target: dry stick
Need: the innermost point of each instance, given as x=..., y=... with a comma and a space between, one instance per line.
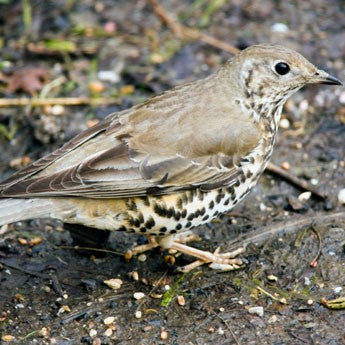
x=228, y=327
x=38, y=102
x=275, y=169
x=91, y=249
x=287, y=227
x=313, y=263
x=184, y=32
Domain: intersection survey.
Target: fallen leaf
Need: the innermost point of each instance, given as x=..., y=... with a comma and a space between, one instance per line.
x=28, y=79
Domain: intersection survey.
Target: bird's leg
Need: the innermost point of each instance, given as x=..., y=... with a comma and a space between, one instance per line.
x=218, y=261
x=184, y=237
x=152, y=243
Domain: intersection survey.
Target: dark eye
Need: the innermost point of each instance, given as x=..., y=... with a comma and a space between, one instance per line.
x=282, y=68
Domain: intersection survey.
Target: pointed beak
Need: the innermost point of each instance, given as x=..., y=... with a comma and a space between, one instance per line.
x=322, y=77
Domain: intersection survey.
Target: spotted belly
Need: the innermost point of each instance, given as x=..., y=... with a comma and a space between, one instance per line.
x=162, y=215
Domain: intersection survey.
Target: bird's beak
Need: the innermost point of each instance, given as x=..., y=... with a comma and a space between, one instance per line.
x=322, y=77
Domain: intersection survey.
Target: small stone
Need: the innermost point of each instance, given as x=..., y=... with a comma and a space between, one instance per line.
x=97, y=341
x=138, y=295
x=337, y=289
x=138, y=314
x=272, y=278
x=303, y=197
x=92, y=332
x=109, y=320
x=341, y=196
x=142, y=257
x=314, y=181
x=307, y=281
x=221, y=309
x=57, y=110
x=256, y=310
x=114, y=283
x=310, y=302
x=110, y=76
x=284, y=123
x=273, y=319
x=220, y=331
x=280, y=28
x=164, y=335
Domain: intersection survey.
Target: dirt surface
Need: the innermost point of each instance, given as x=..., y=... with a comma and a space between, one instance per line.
x=53, y=293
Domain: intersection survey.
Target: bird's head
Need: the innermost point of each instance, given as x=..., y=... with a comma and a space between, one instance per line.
x=271, y=73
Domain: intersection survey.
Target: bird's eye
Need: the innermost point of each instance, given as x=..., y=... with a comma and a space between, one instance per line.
x=282, y=68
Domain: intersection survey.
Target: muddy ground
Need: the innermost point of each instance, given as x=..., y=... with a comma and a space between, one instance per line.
x=53, y=293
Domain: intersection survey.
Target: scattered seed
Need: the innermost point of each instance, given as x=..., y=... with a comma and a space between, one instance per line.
x=22, y=241
x=147, y=328
x=138, y=314
x=138, y=295
x=170, y=259
x=135, y=275
x=97, y=341
x=96, y=86
x=181, y=300
x=108, y=320
x=284, y=123
x=113, y=283
x=211, y=330
x=142, y=257
x=273, y=319
x=304, y=196
x=221, y=309
x=156, y=295
x=7, y=338
x=36, y=240
x=108, y=332
x=310, y=302
x=286, y=165
x=220, y=331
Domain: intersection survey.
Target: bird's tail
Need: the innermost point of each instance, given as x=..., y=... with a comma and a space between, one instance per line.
x=14, y=210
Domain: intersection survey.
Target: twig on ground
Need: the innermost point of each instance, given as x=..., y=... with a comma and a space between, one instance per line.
x=37, y=102
x=275, y=169
x=184, y=32
x=313, y=263
x=228, y=327
x=260, y=235
x=92, y=249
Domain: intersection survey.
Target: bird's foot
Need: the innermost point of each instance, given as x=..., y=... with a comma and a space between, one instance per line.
x=153, y=242
x=216, y=260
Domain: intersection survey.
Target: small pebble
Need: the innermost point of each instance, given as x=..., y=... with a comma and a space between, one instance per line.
x=220, y=331
x=256, y=310
x=284, y=123
x=337, y=289
x=109, y=320
x=110, y=76
x=280, y=27
x=57, y=109
x=310, y=302
x=341, y=196
x=142, y=257
x=164, y=335
x=307, y=281
x=221, y=309
x=92, y=333
x=314, y=181
x=273, y=319
x=138, y=314
x=272, y=278
x=138, y=295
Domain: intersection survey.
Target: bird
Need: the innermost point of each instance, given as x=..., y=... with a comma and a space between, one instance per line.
x=173, y=162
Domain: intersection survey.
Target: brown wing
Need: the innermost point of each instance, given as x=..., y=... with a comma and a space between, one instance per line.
x=165, y=145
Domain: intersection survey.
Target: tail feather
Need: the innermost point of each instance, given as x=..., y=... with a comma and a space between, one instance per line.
x=14, y=210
